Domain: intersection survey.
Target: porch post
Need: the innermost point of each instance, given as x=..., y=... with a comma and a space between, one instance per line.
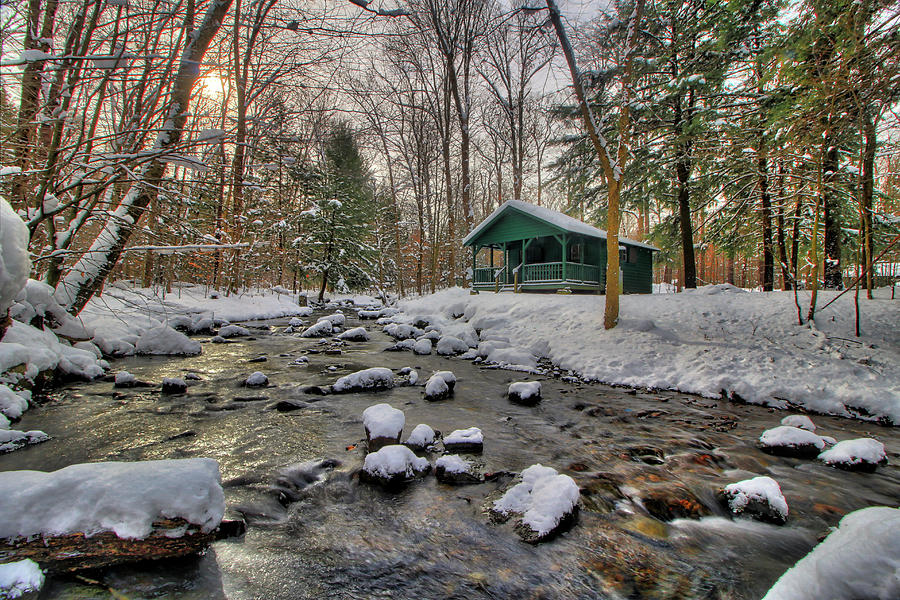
x=475, y=250
x=565, y=248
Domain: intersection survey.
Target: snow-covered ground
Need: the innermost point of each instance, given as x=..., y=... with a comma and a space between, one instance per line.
x=713, y=341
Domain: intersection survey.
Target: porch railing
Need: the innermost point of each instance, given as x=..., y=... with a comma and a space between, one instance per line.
x=551, y=272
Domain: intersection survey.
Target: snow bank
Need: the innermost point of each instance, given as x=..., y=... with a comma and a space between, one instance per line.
x=744, y=345
x=125, y=498
x=19, y=578
x=376, y=378
x=14, y=262
x=858, y=452
x=861, y=559
x=165, y=340
x=383, y=420
x=41, y=350
x=543, y=498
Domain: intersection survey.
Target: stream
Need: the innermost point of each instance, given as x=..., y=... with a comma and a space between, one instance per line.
x=648, y=464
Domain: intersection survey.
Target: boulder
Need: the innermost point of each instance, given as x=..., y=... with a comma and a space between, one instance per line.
x=256, y=379
x=421, y=438
x=759, y=498
x=173, y=385
x=229, y=331
x=450, y=345
x=422, y=346
x=367, y=380
x=861, y=454
x=454, y=470
x=320, y=329
x=466, y=441
x=673, y=501
x=793, y=442
x=527, y=393
x=393, y=466
x=545, y=501
x=383, y=424
x=436, y=389
x=357, y=334
x=124, y=379
x=799, y=421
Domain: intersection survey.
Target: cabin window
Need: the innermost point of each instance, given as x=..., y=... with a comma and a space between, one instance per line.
x=628, y=255
x=576, y=253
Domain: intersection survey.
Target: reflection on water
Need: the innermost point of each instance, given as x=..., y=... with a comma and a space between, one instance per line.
x=644, y=461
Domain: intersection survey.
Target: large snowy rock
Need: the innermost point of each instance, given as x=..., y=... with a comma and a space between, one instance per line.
x=861, y=454
x=14, y=262
x=527, y=393
x=230, y=331
x=383, y=424
x=422, y=346
x=455, y=470
x=759, y=497
x=449, y=345
x=545, y=500
x=467, y=441
x=165, y=340
x=256, y=379
x=357, y=334
x=393, y=466
x=123, y=497
x=320, y=329
x=367, y=380
x=859, y=560
x=400, y=331
x=12, y=439
x=337, y=319
x=19, y=578
x=791, y=441
x=41, y=350
x=439, y=386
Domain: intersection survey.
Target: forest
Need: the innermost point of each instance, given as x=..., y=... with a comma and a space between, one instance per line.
x=352, y=145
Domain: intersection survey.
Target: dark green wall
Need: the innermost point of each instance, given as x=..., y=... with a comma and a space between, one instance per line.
x=514, y=225
x=637, y=277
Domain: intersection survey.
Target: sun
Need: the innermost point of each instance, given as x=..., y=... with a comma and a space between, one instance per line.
x=211, y=85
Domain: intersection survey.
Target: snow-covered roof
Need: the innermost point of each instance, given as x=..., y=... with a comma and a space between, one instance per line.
x=552, y=217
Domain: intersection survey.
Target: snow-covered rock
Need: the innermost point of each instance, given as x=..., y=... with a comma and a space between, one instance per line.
x=320, y=329
x=296, y=322
x=860, y=559
x=436, y=388
x=337, y=319
x=455, y=470
x=861, y=454
x=525, y=392
x=421, y=437
x=14, y=262
x=383, y=424
x=124, y=379
x=173, y=385
x=401, y=346
x=12, y=405
x=357, y=334
x=448, y=377
x=230, y=331
x=402, y=331
x=19, y=578
x=791, y=441
x=422, y=346
x=122, y=497
x=367, y=380
x=546, y=501
x=449, y=345
x=799, y=421
x=256, y=379
x=40, y=350
x=431, y=334
x=466, y=441
x=393, y=465
x=165, y=340
x=759, y=497
x=13, y=439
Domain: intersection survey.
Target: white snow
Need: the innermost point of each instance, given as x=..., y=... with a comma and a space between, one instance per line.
x=860, y=559
x=165, y=340
x=854, y=452
x=786, y=436
x=451, y=345
x=453, y=463
x=543, y=498
x=19, y=578
x=422, y=346
x=257, y=378
x=296, y=322
x=229, y=331
x=421, y=436
x=12, y=405
x=800, y=421
x=764, y=489
x=400, y=331
x=525, y=389
x=472, y=435
x=357, y=334
x=14, y=262
x=394, y=460
x=337, y=319
x=320, y=329
x=383, y=420
x=41, y=350
x=435, y=386
x=122, y=497
x=733, y=343
x=380, y=377
x=13, y=439
x=448, y=377
x=124, y=378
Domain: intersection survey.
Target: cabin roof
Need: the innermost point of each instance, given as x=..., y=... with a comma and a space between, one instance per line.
x=550, y=217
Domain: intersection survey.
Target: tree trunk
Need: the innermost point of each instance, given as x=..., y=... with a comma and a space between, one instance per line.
x=768, y=262
x=88, y=274
x=868, y=187
x=832, y=274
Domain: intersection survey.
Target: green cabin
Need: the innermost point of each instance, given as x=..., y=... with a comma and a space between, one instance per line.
x=525, y=247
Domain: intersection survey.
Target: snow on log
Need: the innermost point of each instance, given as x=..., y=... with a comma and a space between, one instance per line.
x=860, y=559
x=861, y=454
x=546, y=500
x=97, y=514
x=392, y=466
x=791, y=441
x=467, y=441
x=383, y=424
x=759, y=497
x=527, y=393
x=367, y=380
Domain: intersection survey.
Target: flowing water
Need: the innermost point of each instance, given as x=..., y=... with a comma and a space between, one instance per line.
x=648, y=465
